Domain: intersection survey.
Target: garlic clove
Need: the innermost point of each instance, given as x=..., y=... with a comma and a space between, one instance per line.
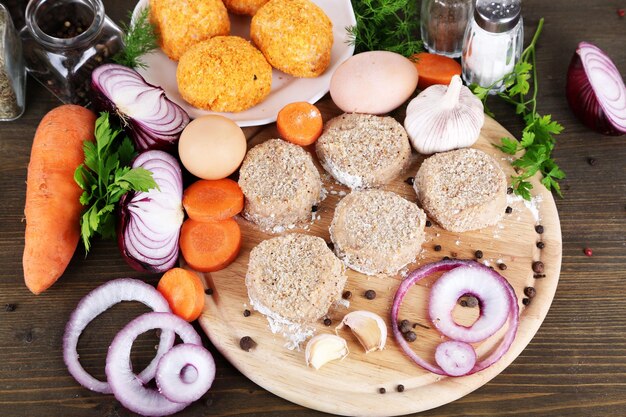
x=324, y=348
x=369, y=328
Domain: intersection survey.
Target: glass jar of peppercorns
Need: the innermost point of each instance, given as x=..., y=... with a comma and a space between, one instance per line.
x=64, y=40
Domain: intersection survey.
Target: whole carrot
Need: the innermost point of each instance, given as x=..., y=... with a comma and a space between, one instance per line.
x=53, y=208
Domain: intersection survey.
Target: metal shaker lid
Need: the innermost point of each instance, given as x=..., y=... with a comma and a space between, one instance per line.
x=497, y=16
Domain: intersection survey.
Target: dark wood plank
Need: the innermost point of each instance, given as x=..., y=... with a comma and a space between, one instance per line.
x=575, y=365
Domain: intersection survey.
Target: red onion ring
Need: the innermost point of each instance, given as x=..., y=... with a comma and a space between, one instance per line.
x=95, y=303
x=150, y=221
x=185, y=373
x=427, y=270
x=150, y=118
x=129, y=390
x=455, y=358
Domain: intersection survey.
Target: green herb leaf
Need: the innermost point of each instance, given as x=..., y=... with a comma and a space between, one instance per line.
x=386, y=25
x=538, y=137
x=105, y=178
x=139, y=39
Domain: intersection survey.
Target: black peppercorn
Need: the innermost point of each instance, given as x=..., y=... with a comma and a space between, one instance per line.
x=410, y=180
x=9, y=307
x=538, y=267
x=539, y=229
x=246, y=313
x=541, y=245
x=508, y=210
x=314, y=208
x=591, y=161
x=327, y=322
x=502, y=267
x=478, y=254
x=509, y=190
x=410, y=336
x=437, y=248
x=208, y=291
x=370, y=294
x=346, y=295
x=429, y=223
x=471, y=301
x=400, y=388
x=526, y=301
x=405, y=326
x=382, y=390
x=463, y=303
x=246, y=343
x=530, y=292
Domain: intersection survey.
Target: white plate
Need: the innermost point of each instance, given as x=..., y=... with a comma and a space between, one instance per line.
x=286, y=89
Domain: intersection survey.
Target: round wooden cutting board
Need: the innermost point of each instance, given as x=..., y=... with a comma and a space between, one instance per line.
x=351, y=386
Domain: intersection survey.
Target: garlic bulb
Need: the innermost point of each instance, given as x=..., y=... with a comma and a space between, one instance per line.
x=442, y=118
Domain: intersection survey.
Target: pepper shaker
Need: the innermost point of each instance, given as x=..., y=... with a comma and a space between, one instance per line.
x=12, y=70
x=64, y=41
x=493, y=43
x=443, y=24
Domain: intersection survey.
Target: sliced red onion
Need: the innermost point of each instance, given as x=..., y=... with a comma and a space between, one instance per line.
x=94, y=304
x=150, y=118
x=129, y=390
x=454, y=358
x=595, y=90
x=490, y=278
x=185, y=373
x=492, y=294
x=150, y=221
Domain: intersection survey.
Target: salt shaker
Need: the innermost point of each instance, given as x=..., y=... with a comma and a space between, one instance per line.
x=12, y=70
x=443, y=24
x=493, y=43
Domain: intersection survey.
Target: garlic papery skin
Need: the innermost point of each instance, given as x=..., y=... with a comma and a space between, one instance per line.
x=442, y=118
x=368, y=327
x=324, y=348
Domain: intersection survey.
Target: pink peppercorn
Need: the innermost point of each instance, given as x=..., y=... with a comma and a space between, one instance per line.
x=588, y=252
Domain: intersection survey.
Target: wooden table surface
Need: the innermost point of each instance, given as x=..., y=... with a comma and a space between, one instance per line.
x=575, y=365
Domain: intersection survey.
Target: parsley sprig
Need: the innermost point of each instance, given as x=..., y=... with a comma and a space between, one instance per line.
x=105, y=177
x=139, y=39
x=386, y=25
x=538, y=139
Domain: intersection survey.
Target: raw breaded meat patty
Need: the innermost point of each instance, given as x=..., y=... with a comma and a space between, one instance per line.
x=363, y=151
x=294, y=277
x=224, y=74
x=249, y=7
x=462, y=190
x=281, y=185
x=183, y=23
x=377, y=232
x=295, y=36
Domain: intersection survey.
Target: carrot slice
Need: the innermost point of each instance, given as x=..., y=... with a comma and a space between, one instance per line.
x=210, y=246
x=184, y=292
x=434, y=69
x=209, y=200
x=300, y=123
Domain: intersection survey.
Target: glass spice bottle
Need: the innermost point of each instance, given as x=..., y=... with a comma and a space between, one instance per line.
x=443, y=24
x=64, y=40
x=12, y=70
x=493, y=43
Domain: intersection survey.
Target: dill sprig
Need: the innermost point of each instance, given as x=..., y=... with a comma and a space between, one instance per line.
x=139, y=38
x=386, y=25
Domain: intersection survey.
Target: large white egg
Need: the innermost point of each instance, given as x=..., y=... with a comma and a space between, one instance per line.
x=212, y=147
x=374, y=82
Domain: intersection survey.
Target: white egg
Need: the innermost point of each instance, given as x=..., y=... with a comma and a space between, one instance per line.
x=374, y=82
x=212, y=147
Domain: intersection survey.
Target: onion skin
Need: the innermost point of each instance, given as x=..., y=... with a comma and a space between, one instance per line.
x=429, y=269
x=582, y=98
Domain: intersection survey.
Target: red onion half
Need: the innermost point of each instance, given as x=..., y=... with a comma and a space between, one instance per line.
x=150, y=221
x=596, y=91
x=150, y=118
x=473, y=278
